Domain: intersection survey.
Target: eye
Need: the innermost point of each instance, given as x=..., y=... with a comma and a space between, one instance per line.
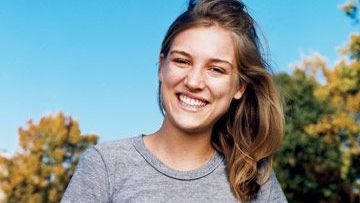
x=181, y=61
x=217, y=69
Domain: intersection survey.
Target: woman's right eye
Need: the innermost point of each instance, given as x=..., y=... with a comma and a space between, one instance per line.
x=181, y=61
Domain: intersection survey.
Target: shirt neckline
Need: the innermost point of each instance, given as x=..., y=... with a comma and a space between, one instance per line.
x=200, y=172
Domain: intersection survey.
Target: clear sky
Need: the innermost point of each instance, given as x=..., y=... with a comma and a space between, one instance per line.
x=97, y=60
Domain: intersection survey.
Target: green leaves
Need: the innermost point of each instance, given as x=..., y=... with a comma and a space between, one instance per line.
x=320, y=157
x=321, y=144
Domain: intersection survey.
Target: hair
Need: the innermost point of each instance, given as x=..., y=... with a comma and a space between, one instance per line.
x=250, y=132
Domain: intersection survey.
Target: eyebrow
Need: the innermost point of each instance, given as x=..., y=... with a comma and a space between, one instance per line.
x=212, y=59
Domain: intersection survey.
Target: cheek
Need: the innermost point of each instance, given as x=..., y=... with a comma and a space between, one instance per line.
x=221, y=88
x=171, y=75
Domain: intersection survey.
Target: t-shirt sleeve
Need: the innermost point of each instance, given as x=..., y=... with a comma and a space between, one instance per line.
x=270, y=191
x=276, y=193
x=90, y=181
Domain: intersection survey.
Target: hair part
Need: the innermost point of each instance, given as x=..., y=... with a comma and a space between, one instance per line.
x=252, y=129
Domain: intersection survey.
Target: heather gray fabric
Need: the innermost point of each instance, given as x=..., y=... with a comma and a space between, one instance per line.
x=126, y=171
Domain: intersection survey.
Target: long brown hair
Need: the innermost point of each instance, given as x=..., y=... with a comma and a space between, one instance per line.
x=252, y=129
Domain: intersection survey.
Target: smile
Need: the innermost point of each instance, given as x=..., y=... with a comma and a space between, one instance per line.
x=191, y=103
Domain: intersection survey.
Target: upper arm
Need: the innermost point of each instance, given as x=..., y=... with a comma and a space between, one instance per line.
x=276, y=193
x=90, y=181
x=271, y=191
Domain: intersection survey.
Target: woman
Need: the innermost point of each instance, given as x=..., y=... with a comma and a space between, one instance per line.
x=222, y=121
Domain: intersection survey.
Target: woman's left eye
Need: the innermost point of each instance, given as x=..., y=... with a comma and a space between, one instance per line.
x=217, y=69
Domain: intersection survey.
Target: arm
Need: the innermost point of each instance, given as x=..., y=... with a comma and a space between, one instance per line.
x=90, y=181
x=270, y=191
x=276, y=193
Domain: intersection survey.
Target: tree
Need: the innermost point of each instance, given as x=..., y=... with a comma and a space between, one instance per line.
x=320, y=158
x=297, y=161
x=50, y=151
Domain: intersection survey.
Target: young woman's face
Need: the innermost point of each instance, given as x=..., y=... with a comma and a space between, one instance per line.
x=199, y=78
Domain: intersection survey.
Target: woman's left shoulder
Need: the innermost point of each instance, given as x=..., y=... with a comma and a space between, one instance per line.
x=271, y=191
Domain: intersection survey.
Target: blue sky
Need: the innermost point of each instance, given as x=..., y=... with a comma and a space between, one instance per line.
x=97, y=60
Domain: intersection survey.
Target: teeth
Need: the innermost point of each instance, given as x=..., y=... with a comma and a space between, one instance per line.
x=191, y=101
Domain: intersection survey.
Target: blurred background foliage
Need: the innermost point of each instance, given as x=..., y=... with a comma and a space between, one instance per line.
x=320, y=157
x=49, y=153
x=318, y=162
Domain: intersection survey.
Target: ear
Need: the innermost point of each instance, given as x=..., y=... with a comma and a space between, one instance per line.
x=161, y=64
x=241, y=89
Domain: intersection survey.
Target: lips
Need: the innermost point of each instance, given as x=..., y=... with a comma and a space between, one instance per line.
x=190, y=102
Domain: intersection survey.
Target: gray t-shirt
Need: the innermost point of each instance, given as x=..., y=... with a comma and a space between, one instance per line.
x=126, y=171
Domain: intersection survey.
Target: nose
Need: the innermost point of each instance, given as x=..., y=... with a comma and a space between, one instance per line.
x=194, y=79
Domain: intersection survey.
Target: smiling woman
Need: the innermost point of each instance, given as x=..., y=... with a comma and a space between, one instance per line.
x=222, y=121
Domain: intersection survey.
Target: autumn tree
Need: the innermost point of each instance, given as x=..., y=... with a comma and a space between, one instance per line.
x=295, y=162
x=49, y=153
x=320, y=158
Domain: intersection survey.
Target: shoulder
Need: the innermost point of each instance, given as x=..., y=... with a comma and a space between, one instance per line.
x=271, y=190
x=111, y=154
x=115, y=147
x=94, y=177
x=115, y=153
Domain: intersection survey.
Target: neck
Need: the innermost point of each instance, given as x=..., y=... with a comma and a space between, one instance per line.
x=179, y=149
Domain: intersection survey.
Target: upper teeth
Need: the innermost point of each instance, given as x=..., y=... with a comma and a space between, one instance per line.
x=191, y=101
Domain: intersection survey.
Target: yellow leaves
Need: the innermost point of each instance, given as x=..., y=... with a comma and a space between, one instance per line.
x=18, y=177
x=343, y=78
x=324, y=130
x=53, y=195
x=59, y=155
x=330, y=127
x=345, y=121
x=337, y=101
x=74, y=134
x=323, y=126
x=35, y=179
x=6, y=187
x=91, y=138
x=59, y=170
x=321, y=93
x=59, y=129
x=342, y=86
x=38, y=171
x=353, y=47
x=43, y=183
x=35, y=198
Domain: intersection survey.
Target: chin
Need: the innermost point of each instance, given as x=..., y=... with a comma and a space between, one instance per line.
x=192, y=126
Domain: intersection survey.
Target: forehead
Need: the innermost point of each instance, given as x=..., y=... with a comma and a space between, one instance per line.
x=205, y=41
